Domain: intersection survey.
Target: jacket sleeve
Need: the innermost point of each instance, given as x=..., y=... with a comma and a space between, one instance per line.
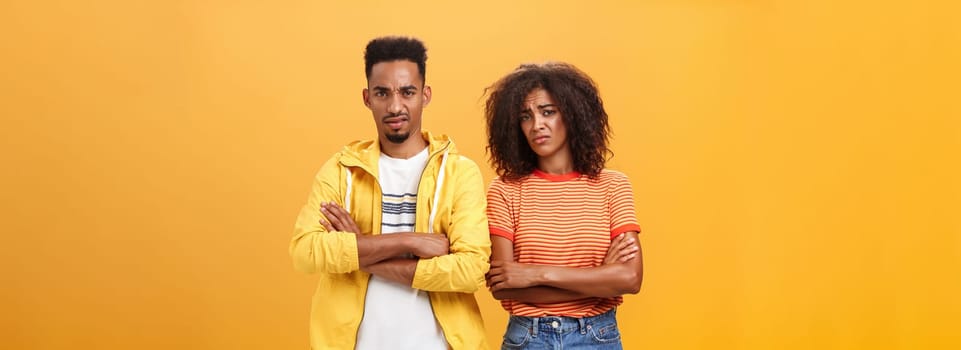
x=464, y=268
x=314, y=249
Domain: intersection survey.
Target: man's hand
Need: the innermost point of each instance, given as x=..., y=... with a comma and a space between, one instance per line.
x=419, y=245
x=510, y=275
x=622, y=249
x=429, y=245
x=338, y=219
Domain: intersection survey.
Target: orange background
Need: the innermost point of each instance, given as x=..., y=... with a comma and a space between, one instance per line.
x=795, y=162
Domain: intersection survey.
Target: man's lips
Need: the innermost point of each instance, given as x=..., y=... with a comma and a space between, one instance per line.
x=395, y=122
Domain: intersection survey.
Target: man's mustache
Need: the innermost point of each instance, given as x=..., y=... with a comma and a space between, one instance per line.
x=392, y=115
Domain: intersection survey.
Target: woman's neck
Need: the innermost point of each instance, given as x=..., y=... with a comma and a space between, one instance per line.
x=557, y=164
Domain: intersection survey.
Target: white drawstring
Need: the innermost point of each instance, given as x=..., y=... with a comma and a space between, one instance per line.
x=437, y=189
x=440, y=185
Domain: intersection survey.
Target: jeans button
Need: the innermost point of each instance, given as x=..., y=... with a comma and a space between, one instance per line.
x=554, y=324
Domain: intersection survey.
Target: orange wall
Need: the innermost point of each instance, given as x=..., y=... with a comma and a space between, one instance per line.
x=795, y=162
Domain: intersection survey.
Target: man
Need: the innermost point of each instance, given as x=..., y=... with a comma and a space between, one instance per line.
x=395, y=227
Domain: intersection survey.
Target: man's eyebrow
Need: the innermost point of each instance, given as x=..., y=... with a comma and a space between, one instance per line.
x=402, y=88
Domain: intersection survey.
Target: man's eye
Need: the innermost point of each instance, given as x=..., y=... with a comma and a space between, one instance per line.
x=408, y=93
x=380, y=94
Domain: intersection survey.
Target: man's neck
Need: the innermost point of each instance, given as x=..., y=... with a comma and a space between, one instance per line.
x=409, y=148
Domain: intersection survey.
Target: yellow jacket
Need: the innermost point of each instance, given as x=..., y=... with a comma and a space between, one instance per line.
x=451, y=190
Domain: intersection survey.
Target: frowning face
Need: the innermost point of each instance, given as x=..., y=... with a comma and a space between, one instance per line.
x=543, y=125
x=396, y=95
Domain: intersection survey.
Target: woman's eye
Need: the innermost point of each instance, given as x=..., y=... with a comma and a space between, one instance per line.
x=548, y=112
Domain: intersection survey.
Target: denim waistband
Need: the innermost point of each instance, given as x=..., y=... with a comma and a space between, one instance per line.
x=563, y=324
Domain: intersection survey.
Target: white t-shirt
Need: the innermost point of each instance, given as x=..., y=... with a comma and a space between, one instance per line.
x=397, y=316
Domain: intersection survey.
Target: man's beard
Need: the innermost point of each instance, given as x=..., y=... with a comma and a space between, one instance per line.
x=398, y=138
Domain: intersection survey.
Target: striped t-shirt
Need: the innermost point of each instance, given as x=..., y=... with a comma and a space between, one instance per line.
x=397, y=316
x=562, y=220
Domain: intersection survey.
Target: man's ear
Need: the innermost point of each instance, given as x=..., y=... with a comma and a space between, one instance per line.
x=366, y=97
x=426, y=95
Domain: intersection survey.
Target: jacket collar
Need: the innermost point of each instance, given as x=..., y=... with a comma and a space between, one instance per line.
x=365, y=154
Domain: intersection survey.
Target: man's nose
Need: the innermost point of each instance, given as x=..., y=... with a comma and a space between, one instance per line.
x=395, y=105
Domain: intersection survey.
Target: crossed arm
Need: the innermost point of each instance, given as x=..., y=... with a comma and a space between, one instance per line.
x=391, y=256
x=620, y=273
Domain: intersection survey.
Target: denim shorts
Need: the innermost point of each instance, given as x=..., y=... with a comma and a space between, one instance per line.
x=556, y=332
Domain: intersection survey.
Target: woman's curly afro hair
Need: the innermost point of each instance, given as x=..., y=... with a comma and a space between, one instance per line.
x=579, y=103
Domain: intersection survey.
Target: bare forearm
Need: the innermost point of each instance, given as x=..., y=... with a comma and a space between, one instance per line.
x=400, y=270
x=374, y=249
x=603, y=281
x=538, y=294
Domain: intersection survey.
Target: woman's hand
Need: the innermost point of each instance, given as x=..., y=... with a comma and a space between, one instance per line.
x=511, y=275
x=623, y=249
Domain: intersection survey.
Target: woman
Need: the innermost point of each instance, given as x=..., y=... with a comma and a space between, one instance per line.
x=563, y=228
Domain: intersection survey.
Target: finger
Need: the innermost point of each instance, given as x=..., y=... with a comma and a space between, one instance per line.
x=613, y=250
x=346, y=222
x=623, y=252
x=616, y=256
x=341, y=212
x=353, y=226
x=617, y=252
x=326, y=225
x=627, y=250
x=328, y=214
x=615, y=242
x=618, y=239
x=336, y=206
x=331, y=210
x=494, y=279
x=333, y=219
x=627, y=258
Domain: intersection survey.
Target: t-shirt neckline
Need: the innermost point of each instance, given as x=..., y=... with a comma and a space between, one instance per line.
x=556, y=177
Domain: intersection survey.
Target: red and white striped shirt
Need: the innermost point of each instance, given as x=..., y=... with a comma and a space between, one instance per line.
x=562, y=220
